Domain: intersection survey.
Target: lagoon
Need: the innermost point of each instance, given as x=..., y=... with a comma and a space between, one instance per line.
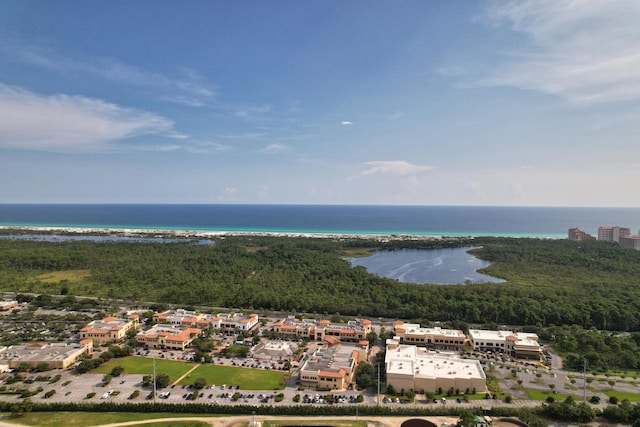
x=450, y=266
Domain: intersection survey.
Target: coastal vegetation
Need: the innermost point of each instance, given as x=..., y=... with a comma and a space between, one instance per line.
x=549, y=283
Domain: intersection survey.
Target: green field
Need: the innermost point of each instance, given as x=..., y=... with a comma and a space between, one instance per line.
x=246, y=378
x=86, y=419
x=143, y=365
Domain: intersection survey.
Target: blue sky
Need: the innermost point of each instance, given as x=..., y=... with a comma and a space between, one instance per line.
x=521, y=103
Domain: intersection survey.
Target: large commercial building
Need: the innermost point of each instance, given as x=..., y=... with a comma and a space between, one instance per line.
x=409, y=367
x=310, y=329
x=517, y=344
x=168, y=337
x=333, y=366
x=54, y=355
x=443, y=339
x=612, y=233
x=109, y=329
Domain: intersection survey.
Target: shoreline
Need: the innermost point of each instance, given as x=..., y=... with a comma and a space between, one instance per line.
x=205, y=234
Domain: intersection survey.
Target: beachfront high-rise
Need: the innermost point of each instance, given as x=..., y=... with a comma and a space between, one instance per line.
x=612, y=233
x=577, y=234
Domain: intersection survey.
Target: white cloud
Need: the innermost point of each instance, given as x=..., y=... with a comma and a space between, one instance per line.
x=346, y=123
x=206, y=147
x=583, y=50
x=249, y=112
x=229, y=194
x=186, y=87
x=394, y=167
x=66, y=123
x=274, y=148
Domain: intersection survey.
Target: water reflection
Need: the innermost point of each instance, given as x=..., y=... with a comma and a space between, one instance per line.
x=451, y=266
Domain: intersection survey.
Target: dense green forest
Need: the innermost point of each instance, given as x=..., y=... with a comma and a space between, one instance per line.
x=548, y=282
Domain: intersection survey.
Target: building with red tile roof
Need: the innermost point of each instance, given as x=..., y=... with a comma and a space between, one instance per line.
x=110, y=329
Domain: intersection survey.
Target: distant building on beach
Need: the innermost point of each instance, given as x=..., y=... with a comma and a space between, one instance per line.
x=608, y=233
x=577, y=234
x=630, y=242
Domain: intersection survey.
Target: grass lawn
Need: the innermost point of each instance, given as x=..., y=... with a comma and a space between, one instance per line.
x=542, y=395
x=144, y=365
x=246, y=378
x=86, y=419
x=622, y=396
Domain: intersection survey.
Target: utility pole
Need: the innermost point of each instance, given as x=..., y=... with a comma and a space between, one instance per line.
x=378, y=382
x=154, y=380
x=584, y=379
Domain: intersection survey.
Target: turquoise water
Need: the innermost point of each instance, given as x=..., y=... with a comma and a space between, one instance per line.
x=544, y=222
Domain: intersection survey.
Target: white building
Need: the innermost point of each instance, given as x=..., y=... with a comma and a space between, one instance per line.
x=517, y=344
x=609, y=233
x=444, y=339
x=415, y=368
x=630, y=242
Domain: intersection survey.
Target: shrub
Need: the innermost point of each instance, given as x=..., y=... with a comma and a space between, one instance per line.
x=90, y=395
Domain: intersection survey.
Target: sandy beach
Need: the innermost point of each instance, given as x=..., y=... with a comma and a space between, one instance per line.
x=199, y=234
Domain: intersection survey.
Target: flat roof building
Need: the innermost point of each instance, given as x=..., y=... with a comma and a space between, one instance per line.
x=444, y=339
x=333, y=366
x=54, y=355
x=274, y=350
x=517, y=344
x=630, y=242
x=610, y=233
x=409, y=367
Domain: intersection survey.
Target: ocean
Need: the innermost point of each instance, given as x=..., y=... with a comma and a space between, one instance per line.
x=542, y=222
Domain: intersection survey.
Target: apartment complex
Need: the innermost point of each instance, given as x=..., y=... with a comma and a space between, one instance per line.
x=444, y=339
x=517, y=344
x=333, y=366
x=352, y=331
x=109, y=329
x=612, y=233
x=54, y=355
x=577, y=234
x=409, y=367
x=170, y=337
